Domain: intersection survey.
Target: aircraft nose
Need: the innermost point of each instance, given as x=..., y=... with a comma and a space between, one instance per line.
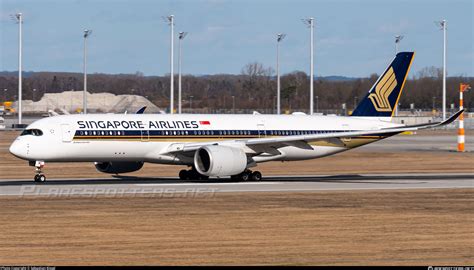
x=18, y=149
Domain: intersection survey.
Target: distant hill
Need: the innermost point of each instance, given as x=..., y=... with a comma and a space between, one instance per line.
x=27, y=74
x=335, y=78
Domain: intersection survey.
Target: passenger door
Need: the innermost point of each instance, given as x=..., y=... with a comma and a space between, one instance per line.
x=67, y=133
x=145, y=135
x=261, y=130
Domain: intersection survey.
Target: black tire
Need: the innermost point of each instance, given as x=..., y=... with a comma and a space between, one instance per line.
x=245, y=176
x=192, y=175
x=256, y=176
x=183, y=175
x=41, y=178
x=203, y=177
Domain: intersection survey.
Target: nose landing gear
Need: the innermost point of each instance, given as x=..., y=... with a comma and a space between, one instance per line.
x=39, y=177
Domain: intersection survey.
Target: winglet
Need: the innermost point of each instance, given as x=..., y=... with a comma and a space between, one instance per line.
x=451, y=119
x=141, y=110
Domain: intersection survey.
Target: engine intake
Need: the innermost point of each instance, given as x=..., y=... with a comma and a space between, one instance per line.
x=118, y=167
x=216, y=160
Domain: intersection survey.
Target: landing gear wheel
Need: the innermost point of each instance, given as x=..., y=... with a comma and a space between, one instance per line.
x=184, y=175
x=193, y=175
x=203, y=177
x=256, y=176
x=40, y=178
x=245, y=176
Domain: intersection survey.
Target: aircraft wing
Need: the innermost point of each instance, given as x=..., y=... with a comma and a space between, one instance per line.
x=277, y=142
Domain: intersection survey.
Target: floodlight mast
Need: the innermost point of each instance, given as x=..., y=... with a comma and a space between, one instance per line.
x=398, y=38
x=181, y=36
x=170, y=20
x=87, y=33
x=19, y=19
x=443, y=24
x=280, y=37
x=310, y=23
x=397, y=41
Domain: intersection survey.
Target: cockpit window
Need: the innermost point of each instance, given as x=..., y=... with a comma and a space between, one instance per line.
x=34, y=132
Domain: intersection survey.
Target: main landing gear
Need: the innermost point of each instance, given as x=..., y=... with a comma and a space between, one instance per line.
x=192, y=175
x=39, y=177
x=247, y=175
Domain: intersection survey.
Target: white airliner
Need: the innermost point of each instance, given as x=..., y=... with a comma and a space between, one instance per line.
x=214, y=145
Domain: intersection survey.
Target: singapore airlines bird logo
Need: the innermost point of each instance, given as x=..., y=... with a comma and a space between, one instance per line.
x=382, y=91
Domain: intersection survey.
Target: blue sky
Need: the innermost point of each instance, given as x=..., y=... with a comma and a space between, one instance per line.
x=352, y=38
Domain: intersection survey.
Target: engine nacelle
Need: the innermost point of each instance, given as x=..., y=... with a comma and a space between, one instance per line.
x=216, y=160
x=118, y=167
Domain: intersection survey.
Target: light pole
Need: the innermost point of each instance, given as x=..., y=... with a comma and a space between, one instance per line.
x=274, y=104
x=5, y=94
x=71, y=99
x=34, y=93
x=280, y=37
x=443, y=24
x=317, y=103
x=170, y=20
x=181, y=37
x=233, y=104
x=398, y=38
x=310, y=23
x=19, y=19
x=87, y=33
x=190, y=103
x=434, y=104
x=397, y=41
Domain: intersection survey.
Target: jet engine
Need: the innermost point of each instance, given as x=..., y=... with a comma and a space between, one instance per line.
x=216, y=160
x=118, y=167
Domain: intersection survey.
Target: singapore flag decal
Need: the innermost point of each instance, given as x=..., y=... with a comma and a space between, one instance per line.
x=204, y=122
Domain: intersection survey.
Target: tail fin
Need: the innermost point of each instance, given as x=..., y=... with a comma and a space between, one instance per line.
x=385, y=93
